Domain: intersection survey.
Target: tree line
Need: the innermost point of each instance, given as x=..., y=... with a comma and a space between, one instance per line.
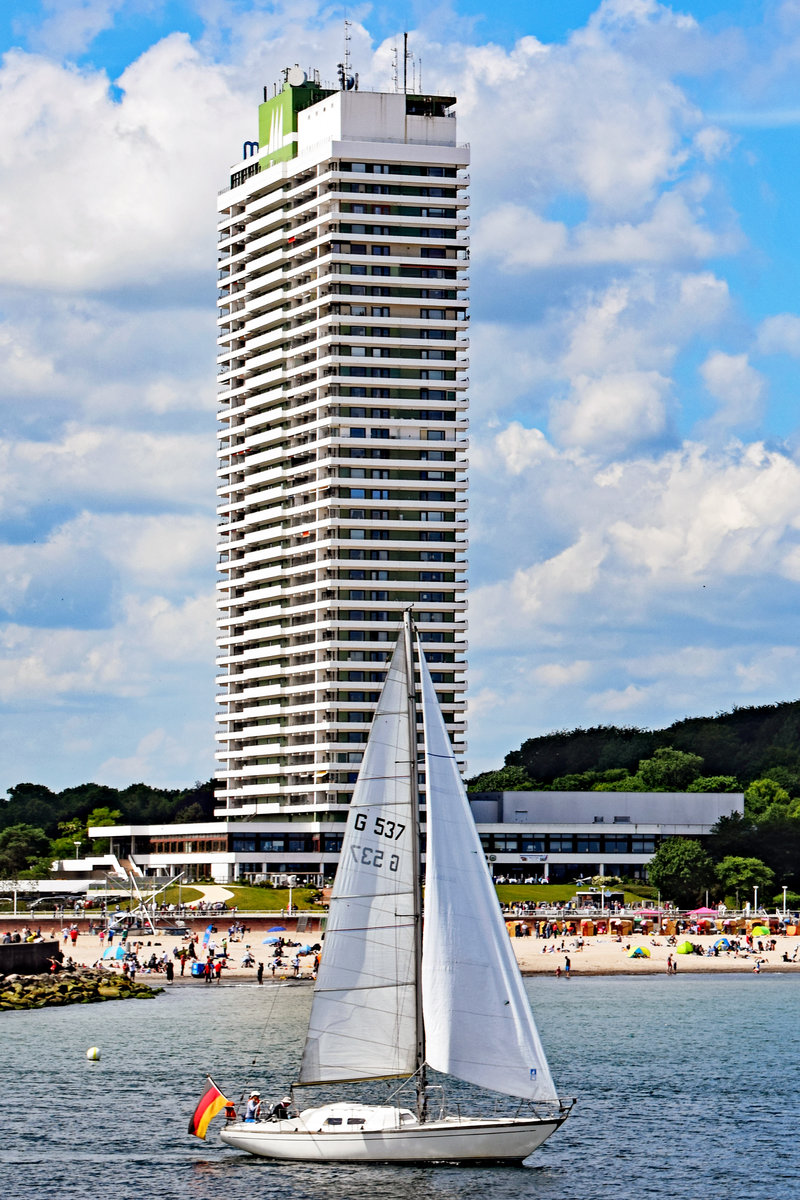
x=745, y=744
x=38, y=825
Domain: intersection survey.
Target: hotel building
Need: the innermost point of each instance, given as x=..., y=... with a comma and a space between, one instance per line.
x=343, y=259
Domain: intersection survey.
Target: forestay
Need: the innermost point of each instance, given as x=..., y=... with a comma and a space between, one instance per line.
x=478, y=1023
x=363, y=1020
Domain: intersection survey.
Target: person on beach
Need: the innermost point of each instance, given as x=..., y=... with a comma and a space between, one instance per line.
x=260, y=973
x=566, y=967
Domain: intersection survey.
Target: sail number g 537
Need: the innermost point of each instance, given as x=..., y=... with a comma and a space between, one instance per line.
x=382, y=827
x=373, y=856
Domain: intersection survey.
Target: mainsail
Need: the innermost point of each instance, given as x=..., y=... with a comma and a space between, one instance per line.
x=363, y=1017
x=478, y=1022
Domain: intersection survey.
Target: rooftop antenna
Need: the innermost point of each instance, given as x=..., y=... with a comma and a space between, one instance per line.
x=405, y=64
x=419, y=64
x=413, y=73
x=347, y=81
x=395, y=69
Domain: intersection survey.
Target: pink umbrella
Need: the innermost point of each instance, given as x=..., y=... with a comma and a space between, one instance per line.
x=702, y=912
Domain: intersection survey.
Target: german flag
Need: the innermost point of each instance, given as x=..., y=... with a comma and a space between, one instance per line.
x=212, y=1103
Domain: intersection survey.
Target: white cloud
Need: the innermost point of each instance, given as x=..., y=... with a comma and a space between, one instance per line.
x=55, y=666
x=101, y=465
x=779, y=335
x=137, y=179
x=559, y=675
x=673, y=231
x=737, y=386
x=614, y=412
x=71, y=28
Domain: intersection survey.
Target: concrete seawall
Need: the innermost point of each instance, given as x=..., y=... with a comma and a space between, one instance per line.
x=28, y=958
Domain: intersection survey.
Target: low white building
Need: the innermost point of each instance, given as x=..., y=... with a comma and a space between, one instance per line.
x=555, y=836
x=561, y=836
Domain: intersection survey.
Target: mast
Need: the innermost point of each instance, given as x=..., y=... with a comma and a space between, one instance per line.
x=421, y=1077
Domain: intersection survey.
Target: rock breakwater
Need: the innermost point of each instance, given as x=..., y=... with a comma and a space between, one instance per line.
x=82, y=986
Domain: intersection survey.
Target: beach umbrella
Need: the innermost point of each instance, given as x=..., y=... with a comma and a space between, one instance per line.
x=722, y=944
x=277, y=929
x=760, y=931
x=270, y=941
x=685, y=948
x=639, y=952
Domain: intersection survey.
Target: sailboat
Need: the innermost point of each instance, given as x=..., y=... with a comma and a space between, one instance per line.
x=396, y=996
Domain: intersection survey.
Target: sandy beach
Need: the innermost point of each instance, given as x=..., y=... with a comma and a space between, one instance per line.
x=599, y=955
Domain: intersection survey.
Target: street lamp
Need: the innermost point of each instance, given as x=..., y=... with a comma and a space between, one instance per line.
x=784, y=888
x=755, y=899
x=77, y=846
x=292, y=882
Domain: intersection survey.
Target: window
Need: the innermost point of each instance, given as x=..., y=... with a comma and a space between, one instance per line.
x=532, y=844
x=643, y=845
x=588, y=845
x=561, y=843
x=615, y=845
x=380, y=249
x=358, y=433
x=506, y=843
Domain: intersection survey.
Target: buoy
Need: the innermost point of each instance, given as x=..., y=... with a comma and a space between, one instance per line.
x=93, y=1054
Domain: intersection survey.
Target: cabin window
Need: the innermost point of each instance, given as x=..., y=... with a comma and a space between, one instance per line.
x=333, y=1120
x=356, y=1120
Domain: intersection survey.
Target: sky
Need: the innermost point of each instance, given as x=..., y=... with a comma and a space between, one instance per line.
x=635, y=459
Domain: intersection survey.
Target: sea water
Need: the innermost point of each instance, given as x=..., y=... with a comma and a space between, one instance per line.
x=686, y=1089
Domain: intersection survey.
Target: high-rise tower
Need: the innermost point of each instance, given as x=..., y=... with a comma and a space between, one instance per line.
x=343, y=257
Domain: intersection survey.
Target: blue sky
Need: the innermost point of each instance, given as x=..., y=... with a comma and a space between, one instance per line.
x=635, y=483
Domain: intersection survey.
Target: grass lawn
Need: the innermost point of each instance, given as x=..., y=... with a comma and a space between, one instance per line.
x=554, y=893
x=250, y=899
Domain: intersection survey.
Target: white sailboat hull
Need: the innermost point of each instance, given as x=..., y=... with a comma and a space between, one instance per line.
x=454, y=1140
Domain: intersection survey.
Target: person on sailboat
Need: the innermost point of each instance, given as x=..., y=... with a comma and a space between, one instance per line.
x=280, y=1111
x=253, y=1110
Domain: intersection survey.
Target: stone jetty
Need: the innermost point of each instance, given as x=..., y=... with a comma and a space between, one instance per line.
x=83, y=985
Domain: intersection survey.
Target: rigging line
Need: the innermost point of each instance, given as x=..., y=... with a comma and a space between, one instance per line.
x=262, y=1038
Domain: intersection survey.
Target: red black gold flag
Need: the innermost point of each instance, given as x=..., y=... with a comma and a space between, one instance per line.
x=211, y=1103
